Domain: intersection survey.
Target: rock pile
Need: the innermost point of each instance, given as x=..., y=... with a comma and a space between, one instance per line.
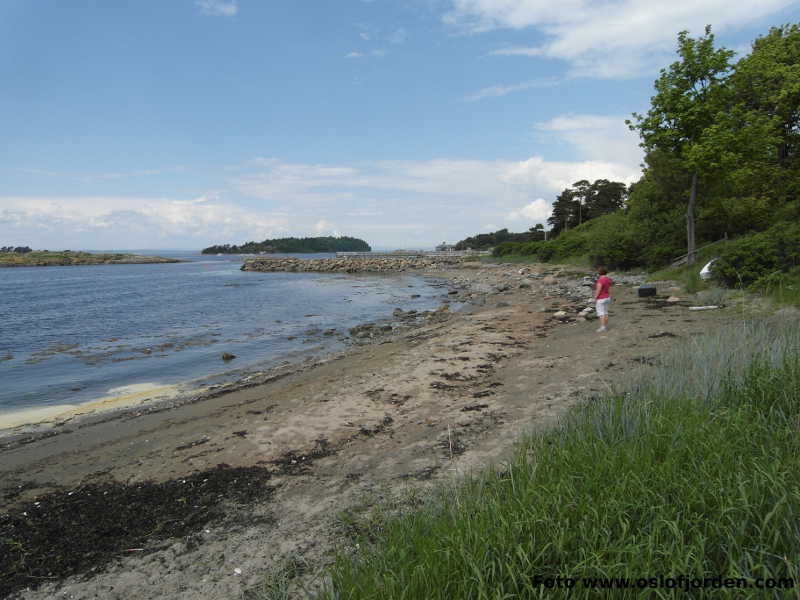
x=376, y=264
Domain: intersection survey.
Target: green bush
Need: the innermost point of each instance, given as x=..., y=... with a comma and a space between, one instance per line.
x=615, y=242
x=748, y=260
x=517, y=249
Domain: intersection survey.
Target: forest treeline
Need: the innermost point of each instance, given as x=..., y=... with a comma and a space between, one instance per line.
x=722, y=158
x=293, y=245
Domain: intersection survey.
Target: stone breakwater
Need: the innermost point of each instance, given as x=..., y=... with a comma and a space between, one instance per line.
x=382, y=264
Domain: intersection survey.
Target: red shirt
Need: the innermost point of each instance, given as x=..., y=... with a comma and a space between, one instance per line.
x=605, y=287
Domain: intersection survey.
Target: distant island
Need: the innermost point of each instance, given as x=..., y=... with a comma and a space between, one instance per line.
x=292, y=245
x=25, y=257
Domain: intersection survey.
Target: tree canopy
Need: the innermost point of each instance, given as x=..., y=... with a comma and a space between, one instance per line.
x=292, y=245
x=689, y=97
x=585, y=201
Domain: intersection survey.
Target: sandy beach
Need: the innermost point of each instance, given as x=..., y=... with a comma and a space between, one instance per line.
x=384, y=418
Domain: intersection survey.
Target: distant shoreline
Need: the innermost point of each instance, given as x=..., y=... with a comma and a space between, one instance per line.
x=40, y=258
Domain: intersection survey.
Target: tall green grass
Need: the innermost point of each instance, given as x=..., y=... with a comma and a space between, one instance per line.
x=781, y=288
x=692, y=469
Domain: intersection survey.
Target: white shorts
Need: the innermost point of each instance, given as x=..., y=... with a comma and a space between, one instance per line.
x=602, y=307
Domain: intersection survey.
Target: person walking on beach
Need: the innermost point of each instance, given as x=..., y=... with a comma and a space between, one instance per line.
x=602, y=294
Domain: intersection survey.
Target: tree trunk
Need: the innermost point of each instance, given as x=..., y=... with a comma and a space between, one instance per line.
x=690, y=256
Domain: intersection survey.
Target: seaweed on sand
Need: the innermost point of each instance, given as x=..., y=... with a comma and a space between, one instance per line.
x=71, y=532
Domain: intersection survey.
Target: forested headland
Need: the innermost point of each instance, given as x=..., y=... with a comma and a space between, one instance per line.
x=293, y=245
x=722, y=162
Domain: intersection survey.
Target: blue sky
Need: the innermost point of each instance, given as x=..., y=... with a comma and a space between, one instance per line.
x=182, y=123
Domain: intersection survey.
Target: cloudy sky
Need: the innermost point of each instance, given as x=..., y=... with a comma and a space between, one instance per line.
x=182, y=123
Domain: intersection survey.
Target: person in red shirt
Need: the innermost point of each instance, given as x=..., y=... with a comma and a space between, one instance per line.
x=602, y=294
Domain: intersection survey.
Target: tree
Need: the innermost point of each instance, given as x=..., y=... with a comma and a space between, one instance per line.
x=564, y=214
x=604, y=198
x=584, y=201
x=765, y=88
x=689, y=95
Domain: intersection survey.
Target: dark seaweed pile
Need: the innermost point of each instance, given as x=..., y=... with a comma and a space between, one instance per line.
x=69, y=532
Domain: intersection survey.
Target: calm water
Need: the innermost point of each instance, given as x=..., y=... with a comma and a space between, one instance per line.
x=74, y=334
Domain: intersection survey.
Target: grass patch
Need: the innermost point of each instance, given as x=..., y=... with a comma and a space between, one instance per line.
x=781, y=288
x=691, y=469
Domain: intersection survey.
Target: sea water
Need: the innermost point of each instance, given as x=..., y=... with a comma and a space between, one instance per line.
x=71, y=335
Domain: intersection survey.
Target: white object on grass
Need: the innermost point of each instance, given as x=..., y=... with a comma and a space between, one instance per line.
x=703, y=307
x=705, y=272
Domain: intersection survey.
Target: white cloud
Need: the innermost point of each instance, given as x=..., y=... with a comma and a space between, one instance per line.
x=325, y=227
x=496, y=91
x=218, y=8
x=439, y=198
x=378, y=53
x=556, y=176
x=535, y=212
x=610, y=39
x=125, y=222
x=596, y=137
x=402, y=203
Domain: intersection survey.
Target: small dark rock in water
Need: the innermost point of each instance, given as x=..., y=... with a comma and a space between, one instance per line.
x=362, y=331
x=329, y=332
x=415, y=295
x=453, y=292
x=228, y=356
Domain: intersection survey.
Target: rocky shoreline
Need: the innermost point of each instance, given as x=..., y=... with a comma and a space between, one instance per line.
x=67, y=258
x=377, y=264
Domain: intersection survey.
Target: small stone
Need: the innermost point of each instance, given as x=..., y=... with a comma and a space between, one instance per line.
x=226, y=356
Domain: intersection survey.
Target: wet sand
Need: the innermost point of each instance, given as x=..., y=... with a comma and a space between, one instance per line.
x=443, y=398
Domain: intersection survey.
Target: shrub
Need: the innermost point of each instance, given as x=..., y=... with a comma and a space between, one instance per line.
x=745, y=261
x=615, y=242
